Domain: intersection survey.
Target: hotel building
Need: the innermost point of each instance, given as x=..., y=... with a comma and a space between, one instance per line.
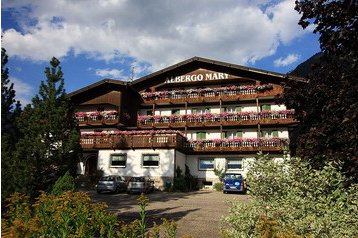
x=199, y=113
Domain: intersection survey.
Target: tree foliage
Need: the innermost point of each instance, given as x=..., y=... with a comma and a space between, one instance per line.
x=292, y=199
x=327, y=105
x=51, y=140
x=14, y=177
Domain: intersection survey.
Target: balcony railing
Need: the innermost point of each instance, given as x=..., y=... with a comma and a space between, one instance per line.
x=239, y=144
x=133, y=140
x=217, y=119
x=175, y=140
x=211, y=94
x=97, y=118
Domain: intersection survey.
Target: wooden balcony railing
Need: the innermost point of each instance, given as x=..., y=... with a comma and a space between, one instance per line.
x=179, y=142
x=97, y=120
x=209, y=95
x=122, y=141
x=239, y=145
x=211, y=119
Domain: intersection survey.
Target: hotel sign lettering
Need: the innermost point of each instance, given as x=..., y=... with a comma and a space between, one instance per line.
x=197, y=77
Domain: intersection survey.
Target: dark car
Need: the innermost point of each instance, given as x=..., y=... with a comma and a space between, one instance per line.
x=140, y=185
x=233, y=182
x=111, y=183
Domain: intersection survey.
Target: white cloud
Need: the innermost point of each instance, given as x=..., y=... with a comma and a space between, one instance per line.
x=111, y=73
x=289, y=59
x=24, y=91
x=154, y=33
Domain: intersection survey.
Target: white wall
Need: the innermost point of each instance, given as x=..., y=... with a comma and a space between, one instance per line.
x=278, y=107
x=220, y=162
x=134, y=163
x=180, y=160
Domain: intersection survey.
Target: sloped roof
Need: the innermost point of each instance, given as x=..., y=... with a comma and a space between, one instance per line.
x=98, y=84
x=191, y=64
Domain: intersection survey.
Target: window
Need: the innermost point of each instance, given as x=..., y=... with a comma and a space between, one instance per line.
x=149, y=113
x=150, y=160
x=234, y=164
x=118, y=160
x=232, y=134
x=201, y=135
x=200, y=110
x=269, y=134
x=232, y=109
x=206, y=164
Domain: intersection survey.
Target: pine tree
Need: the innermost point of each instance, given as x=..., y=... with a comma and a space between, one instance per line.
x=51, y=140
x=14, y=177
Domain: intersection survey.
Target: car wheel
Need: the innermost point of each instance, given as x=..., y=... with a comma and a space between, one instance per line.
x=224, y=191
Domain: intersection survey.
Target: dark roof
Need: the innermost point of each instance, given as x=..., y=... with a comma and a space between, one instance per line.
x=97, y=84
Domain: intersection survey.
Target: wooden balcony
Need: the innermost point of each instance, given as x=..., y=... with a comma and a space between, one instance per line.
x=243, y=145
x=202, y=97
x=179, y=142
x=140, y=141
x=215, y=120
x=97, y=120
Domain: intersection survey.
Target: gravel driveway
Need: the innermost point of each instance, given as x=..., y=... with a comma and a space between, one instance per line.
x=197, y=213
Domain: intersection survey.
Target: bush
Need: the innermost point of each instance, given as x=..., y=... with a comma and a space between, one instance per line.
x=63, y=184
x=68, y=215
x=218, y=186
x=313, y=203
x=72, y=214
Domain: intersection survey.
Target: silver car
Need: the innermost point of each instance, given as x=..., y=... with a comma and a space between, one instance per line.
x=140, y=185
x=111, y=183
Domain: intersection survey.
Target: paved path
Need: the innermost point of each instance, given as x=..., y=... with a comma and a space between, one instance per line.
x=197, y=213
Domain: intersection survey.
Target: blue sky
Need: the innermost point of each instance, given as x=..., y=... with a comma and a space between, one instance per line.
x=121, y=39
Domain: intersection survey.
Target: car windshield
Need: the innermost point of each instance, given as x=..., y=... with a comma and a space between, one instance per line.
x=137, y=179
x=107, y=178
x=232, y=176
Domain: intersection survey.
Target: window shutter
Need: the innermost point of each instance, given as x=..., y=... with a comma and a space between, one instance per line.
x=201, y=135
x=266, y=107
x=238, y=109
x=275, y=133
x=223, y=135
x=239, y=134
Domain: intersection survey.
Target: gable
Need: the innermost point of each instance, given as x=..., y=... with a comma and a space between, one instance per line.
x=196, y=71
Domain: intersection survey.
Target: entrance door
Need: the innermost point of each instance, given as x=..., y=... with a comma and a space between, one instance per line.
x=91, y=165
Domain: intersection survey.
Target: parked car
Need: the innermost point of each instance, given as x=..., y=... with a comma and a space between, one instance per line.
x=111, y=183
x=140, y=185
x=233, y=182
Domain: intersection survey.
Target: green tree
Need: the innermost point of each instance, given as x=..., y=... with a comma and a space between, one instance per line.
x=13, y=172
x=327, y=105
x=51, y=140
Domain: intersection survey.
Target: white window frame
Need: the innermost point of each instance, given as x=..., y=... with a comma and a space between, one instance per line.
x=206, y=169
x=118, y=166
x=235, y=159
x=150, y=166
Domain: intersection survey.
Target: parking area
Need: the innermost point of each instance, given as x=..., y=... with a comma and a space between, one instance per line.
x=197, y=213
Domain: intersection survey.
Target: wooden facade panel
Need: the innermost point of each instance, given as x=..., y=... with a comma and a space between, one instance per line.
x=113, y=98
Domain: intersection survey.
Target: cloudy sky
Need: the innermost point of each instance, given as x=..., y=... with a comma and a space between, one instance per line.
x=126, y=39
